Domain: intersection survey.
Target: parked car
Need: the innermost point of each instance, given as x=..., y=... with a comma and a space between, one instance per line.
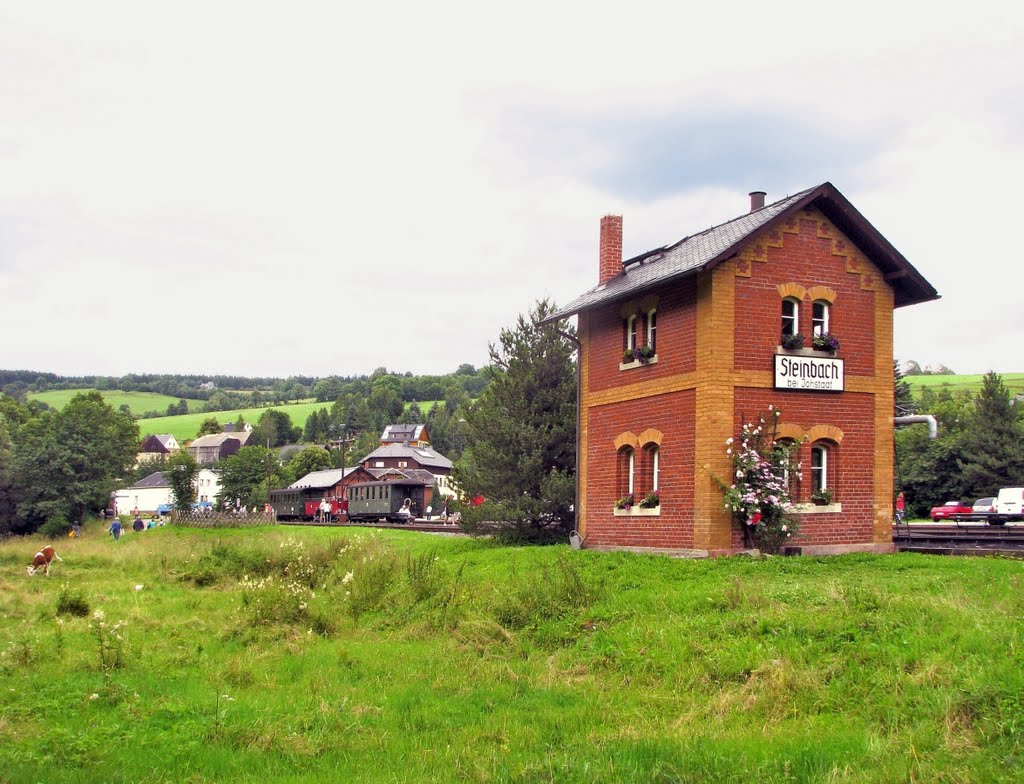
x=949, y=509
x=984, y=505
x=1007, y=507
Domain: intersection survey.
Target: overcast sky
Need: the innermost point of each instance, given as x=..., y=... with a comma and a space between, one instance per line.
x=325, y=188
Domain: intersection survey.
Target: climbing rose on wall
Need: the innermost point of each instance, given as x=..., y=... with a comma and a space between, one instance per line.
x=757, y=493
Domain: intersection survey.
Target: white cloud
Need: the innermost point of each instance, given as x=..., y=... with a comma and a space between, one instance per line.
x=328, y=188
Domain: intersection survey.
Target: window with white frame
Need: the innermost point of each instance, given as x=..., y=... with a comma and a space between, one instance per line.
x=819, y=317
x=655, y=466
x=631, y=332
x=790, y=317
x=819, y=468
x=627, y=468
x=652, y=329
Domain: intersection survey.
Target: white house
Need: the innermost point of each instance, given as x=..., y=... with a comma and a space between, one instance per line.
x=153, y=493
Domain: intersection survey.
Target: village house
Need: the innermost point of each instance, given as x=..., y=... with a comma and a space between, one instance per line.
x=406, y=458
x=152, y=494
x=682, y=344
x=155, y=447
x=331, y=482
x=217, y=446
x=412, y=435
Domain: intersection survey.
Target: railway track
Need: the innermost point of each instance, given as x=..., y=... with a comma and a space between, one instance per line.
x=419, y=525
x=959, y=539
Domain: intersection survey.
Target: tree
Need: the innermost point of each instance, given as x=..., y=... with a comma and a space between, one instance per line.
x=993, y=445
x=904, y=396
x=70, y=461
x=318, y=427
x=413, y=415
x=522, y=430
x=275, y=429
x=312, y=458
x=10, y=522
x=181, y=470
x=247, y=477
x=209, y=427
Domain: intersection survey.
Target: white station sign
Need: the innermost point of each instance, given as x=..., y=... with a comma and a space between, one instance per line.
x=798, y=371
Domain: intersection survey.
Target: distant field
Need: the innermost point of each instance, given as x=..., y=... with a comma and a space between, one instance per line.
x=139, y=402
x=955, y=383
x=185, y=426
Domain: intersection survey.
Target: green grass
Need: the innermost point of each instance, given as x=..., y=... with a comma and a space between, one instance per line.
x=139, y=402
x=455, y=660
x=185, y=426
x=956, y=383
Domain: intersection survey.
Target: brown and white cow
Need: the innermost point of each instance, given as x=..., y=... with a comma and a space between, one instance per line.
x=43, y=559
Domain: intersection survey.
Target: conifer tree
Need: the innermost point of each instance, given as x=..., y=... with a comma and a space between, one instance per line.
x=993, y=444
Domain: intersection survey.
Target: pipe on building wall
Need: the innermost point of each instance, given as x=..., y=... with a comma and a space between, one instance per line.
x=933, y=426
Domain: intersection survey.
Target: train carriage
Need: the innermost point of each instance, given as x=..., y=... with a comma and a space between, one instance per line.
x=371, y=501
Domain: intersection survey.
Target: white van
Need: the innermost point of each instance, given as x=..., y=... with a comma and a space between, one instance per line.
x=1010, y=501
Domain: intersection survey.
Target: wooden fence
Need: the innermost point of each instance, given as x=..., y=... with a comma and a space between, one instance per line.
x=222, y=519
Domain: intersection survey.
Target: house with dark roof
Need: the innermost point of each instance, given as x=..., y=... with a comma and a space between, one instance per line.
x=217, y=446
x=790, y=306
x=153, y=493
x=405, y=458
x=155, y=447
x=413, y=435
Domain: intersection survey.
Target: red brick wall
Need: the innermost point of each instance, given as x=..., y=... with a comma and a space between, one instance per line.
x=673, y=415
x=806, y=259
x=676, y=339
x=850, y=464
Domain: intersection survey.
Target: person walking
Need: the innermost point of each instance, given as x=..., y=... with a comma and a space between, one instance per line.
x=115, y=529
x=137, y=524
x=901, y=507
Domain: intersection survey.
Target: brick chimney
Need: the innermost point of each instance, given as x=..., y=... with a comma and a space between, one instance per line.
x=611, y=247
x=757, y=200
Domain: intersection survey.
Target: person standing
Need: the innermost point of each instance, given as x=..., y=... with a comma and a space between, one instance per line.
x=115, y=529
x=137, y=524
x=325, y=510
x=901, y=507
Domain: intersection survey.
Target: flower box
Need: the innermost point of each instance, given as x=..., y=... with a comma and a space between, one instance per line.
x=638, y=363
x=637, y=511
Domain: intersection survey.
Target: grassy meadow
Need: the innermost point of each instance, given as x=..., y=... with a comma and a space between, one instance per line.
x=139, y=402
x=287, y=654
x=185, y=426
x=957, y=383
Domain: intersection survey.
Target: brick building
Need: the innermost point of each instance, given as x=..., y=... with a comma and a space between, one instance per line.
x=681, y=344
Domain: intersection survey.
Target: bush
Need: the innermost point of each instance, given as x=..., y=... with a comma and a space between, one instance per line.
x=55, y=527
x=72, y=602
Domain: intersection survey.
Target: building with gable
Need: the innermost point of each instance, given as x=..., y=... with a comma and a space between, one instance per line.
x=683, y=343
x=407, y=458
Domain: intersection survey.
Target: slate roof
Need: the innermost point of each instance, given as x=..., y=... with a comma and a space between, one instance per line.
x=216, y=439
x=423, y=455
x=321, y=479
x=156, y=479
x=415, y=474
x=400, y=433
x=710, y=247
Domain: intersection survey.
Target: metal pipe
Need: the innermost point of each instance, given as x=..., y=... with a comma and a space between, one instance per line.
x=933, y=426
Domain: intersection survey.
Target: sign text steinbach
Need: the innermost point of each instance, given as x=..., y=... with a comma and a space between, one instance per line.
x=799, y=371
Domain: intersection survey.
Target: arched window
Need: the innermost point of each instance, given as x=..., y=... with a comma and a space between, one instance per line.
x=652, y=329
x=819, y=317
x=631, y=331
x=627, y=470
x=655, y=467
x=819, y=468
x=790, y=317
x=790, y=467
